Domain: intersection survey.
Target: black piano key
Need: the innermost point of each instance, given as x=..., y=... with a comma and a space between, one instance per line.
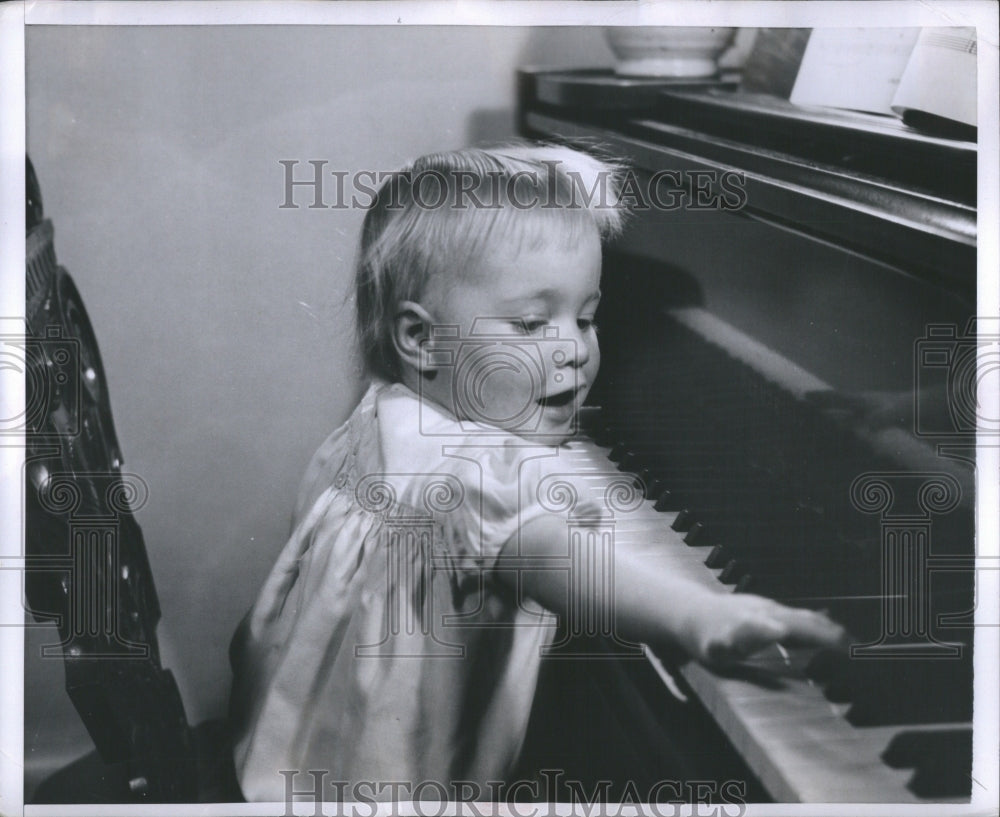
x=732, y=572
x=940, y=758
x=718, y=557
x=893, y=690
x=683, y=522
x=667, y=501
x=824, y=665
x=745, y=584
x=655, y=486
x=630, y=461
x=752, y=521
x=839, y=690
x=695, y=535
x=618, y=451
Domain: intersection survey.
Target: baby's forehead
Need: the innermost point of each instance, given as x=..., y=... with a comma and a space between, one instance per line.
x=514, y=267
x=516, y=250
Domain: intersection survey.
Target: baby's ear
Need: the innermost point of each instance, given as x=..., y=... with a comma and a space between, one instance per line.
x=411, y=328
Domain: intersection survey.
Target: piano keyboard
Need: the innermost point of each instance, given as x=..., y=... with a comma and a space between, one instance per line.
x=800, y=744
x=753, y=493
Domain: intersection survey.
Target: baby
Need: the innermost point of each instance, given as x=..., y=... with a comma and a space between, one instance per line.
x=398, y=638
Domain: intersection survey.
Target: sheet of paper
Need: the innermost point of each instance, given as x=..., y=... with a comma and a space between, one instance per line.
x=853, y=68
x=940, y=76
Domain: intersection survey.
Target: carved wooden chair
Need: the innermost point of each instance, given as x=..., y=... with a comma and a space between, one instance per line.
x=88, y=570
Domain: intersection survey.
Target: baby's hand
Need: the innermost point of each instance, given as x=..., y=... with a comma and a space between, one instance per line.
x=735, y=626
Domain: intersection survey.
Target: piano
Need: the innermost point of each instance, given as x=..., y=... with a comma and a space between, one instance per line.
x=788, y=335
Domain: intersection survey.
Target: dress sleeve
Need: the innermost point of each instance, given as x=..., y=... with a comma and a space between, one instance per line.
x=502, y=489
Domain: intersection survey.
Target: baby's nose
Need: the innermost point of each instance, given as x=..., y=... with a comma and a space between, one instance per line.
x=570, y=352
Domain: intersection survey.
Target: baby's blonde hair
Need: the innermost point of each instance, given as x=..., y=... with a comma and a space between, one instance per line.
x=436, y=215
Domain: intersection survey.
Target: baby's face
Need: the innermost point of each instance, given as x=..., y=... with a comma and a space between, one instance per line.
x=527, y=352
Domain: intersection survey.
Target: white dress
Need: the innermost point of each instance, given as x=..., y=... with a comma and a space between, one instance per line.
x=383, y=646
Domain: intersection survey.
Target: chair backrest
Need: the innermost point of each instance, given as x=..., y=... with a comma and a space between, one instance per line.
x=87, y=565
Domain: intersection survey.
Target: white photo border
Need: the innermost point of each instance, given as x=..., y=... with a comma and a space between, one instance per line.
x=14, y=17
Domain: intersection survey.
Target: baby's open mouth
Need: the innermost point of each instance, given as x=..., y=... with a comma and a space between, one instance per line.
x=563, y=398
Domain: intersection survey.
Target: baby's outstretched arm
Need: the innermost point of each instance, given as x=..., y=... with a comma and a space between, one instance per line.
x=652, y=603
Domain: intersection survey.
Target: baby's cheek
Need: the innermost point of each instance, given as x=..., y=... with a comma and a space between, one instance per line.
x=594, y=364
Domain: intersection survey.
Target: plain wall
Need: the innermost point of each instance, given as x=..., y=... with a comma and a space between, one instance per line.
x=224, y=321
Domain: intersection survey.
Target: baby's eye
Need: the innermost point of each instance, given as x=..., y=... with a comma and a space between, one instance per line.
x=530, y=325
x=586, y=324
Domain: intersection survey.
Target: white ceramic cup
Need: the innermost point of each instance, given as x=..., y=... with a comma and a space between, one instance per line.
x=668, y=51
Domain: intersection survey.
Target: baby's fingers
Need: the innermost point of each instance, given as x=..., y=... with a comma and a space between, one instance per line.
x=749, y=624
x=741, y=640
x=806, y=628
